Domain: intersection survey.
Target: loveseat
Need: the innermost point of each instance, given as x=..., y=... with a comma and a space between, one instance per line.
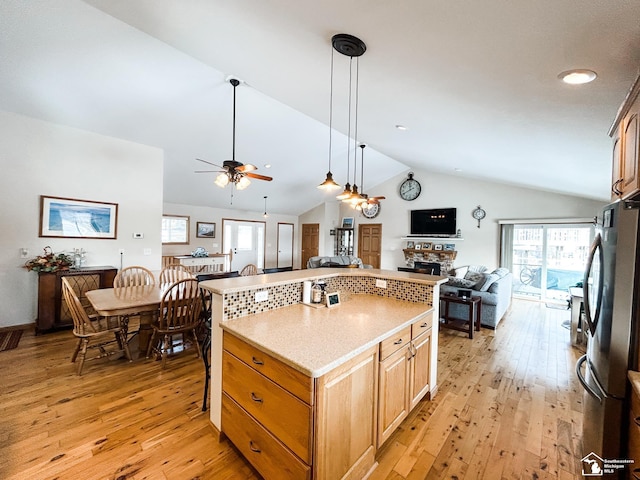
x=335, y=261
x=494, y=289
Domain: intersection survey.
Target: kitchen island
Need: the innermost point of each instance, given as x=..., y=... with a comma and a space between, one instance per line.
x=307, y=392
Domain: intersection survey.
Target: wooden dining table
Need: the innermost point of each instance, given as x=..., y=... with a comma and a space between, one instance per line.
x=126, y=301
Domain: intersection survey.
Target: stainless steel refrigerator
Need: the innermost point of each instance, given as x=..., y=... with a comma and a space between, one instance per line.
x=610, y=304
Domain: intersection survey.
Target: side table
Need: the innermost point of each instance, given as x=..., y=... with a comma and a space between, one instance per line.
x=475, y=310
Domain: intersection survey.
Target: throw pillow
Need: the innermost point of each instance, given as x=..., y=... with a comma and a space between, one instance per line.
x=460, y=272
x=477, y=268
x=474, y=276
x=487, y=280
x=501, y=272
x=461, y=282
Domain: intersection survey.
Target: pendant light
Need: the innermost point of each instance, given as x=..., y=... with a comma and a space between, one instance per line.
x=351, y=47
x=265, y=214
x=364, y=199
x=329, y=183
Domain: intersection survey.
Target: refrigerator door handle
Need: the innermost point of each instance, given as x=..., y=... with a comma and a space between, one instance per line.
x=601, y=395
x=595, y=261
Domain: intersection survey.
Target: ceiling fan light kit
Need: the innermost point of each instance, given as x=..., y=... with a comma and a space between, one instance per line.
x=232, y=172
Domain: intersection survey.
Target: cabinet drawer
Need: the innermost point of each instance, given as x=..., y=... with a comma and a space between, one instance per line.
x=285, y=376
x=394, y=342
x=421, y=326
x=285, y=416
x=258, y=446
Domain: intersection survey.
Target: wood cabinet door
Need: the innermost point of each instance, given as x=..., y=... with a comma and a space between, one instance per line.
x=630, y=180
x=345, y=429
x=616, y=162
x=420, y=366
x=393, y=405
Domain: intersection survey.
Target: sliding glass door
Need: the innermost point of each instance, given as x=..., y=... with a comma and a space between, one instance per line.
x=548, y=259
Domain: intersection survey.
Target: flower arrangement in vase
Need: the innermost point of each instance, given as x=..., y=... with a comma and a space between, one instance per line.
x=49, y=262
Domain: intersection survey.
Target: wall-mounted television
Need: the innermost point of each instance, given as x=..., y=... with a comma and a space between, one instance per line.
x=435, y=222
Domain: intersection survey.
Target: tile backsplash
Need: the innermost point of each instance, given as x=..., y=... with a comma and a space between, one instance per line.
x=240, y=304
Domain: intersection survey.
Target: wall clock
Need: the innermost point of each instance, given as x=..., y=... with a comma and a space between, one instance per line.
x=371, y=210
x=478, y=214
x=410, y=189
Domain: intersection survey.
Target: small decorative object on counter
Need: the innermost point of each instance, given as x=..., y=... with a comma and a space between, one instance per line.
x=49, y=262
x=459, y=233
x=199, y=252
x=79, y=257
x=317, y=291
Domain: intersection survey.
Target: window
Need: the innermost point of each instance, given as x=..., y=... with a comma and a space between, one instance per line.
x=175, y=229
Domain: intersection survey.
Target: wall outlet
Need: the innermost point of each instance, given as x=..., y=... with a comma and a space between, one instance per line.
x=138, y=235
x=262, y=296
x=381, y=283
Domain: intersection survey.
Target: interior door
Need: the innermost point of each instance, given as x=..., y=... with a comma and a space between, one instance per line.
x=310, y=242
x=285, y=245
x=370, y=243
x=245, y=240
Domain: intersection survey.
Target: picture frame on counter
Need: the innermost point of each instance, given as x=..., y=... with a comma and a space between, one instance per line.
x=73, y=218
x=332, y=299
x=449, y=247
x=426, y=246
x=437, y=246
x=205, y=230
x=411, y=244
x=418, y=246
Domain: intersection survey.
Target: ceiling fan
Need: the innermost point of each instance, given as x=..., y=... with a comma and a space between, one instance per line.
x=231, y=171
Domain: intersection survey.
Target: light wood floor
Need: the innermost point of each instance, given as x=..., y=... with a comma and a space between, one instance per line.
x=508, y=407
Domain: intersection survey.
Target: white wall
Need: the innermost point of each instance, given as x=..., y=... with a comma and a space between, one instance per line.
x=40, y=158
x=480, y=245
x=215, y=215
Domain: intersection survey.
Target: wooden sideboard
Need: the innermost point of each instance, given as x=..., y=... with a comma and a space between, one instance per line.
x=53, y=313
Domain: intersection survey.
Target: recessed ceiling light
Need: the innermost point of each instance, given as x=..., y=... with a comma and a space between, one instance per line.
x=401, y=127
x=457, y=169
x=578, y=77
x=267, y=165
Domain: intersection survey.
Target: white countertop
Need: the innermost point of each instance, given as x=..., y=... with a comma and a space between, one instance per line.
x=316, y=340
x=230, y=285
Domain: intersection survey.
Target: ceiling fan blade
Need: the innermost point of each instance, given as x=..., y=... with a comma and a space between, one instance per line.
x=204, y=161
x=208, y=171
x=258, y=177
x=246, y=168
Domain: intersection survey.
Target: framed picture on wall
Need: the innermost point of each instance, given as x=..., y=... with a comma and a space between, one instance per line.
x=347, y=222
x=205, y=230
x=73, y=218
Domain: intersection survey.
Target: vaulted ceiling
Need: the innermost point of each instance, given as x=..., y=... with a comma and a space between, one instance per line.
x=475, y=83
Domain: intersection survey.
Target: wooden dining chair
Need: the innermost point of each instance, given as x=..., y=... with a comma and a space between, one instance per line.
x=173, y=273
x=93, y=331
x=250, y=269
x=133, y=277
x=180, y=312
x=205, y=328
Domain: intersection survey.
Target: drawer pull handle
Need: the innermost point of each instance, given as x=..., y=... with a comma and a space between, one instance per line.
x=256, y=361
x=637, y=420
x=398, y=342
x=254, y=449
x=424, y=325
x=255, y=398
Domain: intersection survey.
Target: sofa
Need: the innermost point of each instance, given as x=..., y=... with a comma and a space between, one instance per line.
x=335, y=261
x=494, y=288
